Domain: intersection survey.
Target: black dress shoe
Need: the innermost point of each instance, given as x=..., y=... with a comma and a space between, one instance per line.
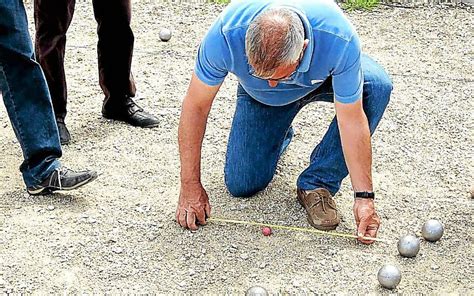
x=130, y=113
x=64, y=135
x=62, y=179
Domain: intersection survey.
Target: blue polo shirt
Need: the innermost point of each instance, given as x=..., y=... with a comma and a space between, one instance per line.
x=333, y=50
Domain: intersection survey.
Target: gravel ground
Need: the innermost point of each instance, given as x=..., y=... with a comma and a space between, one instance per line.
x=118, y=234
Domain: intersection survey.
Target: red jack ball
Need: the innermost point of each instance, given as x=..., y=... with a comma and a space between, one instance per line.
x=266, y=231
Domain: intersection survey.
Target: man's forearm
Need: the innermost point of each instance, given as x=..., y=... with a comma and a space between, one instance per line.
x=192, y=126
x=356, y=144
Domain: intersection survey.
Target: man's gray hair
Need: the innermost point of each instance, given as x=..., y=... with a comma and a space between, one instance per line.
x=274, y=38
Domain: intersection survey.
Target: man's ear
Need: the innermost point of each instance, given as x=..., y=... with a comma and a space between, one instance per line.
x=305, y=44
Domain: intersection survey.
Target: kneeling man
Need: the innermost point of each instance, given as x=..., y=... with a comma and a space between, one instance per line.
x=285, y=55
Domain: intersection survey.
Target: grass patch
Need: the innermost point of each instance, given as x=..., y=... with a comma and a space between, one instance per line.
x=360, y=4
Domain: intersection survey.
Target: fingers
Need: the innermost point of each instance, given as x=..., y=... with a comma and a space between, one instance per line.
x=191, y=220
x=181, y=218
x=187, y=218
x=207, y=208
x=201, y=216
x=366, y=230
x=362, y=227
x=372, y=232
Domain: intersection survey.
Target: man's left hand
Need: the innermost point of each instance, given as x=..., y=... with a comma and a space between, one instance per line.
x=367, y=220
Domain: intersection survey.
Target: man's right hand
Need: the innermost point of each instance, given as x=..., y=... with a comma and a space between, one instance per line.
x=193, y=206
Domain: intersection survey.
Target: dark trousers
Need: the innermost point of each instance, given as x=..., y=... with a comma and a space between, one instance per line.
x=114, y=49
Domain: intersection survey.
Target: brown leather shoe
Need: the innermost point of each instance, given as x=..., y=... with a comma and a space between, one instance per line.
x=321, y=208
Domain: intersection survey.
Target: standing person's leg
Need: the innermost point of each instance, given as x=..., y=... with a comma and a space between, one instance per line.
x=327, y=166
x=259, y=135
x=115, y=52
x=26, y=96
x=28, y=103
x=52, y=20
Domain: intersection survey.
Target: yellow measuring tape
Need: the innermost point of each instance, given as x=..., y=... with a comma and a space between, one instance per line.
x=294, y=228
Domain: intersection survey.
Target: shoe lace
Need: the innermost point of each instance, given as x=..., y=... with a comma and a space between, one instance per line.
x=61, y=171
x=322, y=199
x=134, y=106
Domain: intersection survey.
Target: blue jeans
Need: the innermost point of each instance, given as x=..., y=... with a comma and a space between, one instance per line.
x=260, y=134
x=26, y=96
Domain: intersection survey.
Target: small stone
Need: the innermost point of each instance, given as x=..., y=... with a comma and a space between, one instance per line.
x=296, y=284
x=142, y=208
x=434, y=267
x=50, y=208
x=244, y=256
x=212, y=267
x=262, y=266
x=191, y=272
x=336, y=268
x=203, y=251
x=117, y=250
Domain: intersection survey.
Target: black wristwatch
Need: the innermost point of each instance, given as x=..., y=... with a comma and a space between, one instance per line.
x=364, y=194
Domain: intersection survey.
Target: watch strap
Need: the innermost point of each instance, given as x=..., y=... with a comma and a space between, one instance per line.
x=364, y=194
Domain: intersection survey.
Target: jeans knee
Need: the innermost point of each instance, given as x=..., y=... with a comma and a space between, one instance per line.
x=387, y=87
x=242, y=187
x=384, y=87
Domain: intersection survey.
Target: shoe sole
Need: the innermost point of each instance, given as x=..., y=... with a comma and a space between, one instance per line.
x=46, y=190
x=125, y=121
x=319, y=227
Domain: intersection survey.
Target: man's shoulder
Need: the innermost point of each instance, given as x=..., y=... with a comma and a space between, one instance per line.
x=239, y=13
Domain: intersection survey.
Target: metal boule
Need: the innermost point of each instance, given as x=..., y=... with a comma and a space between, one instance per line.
x=165, y=34
x=432, y=230
x=408, y=246
x=389, y=276
x=256, y=291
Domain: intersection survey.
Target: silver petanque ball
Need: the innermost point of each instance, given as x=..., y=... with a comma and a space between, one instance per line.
x=432, y=230
x=256, y=291
x=165, y=35
x=408, y=246
x=389, y=276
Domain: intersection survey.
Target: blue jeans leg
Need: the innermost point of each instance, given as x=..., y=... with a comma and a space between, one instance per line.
x=258, y=136
x=327, y=166
x=26, y=96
